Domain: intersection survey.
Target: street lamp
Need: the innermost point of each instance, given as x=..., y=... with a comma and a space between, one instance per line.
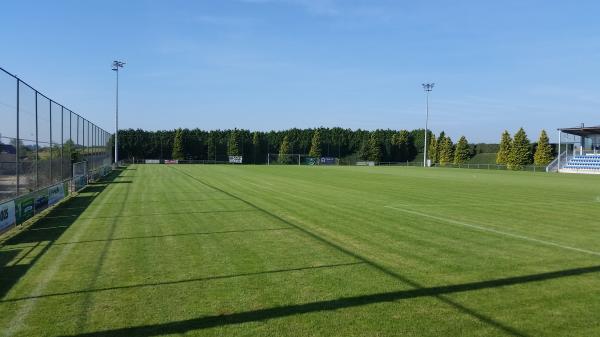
x=427, y=87
x=115, y=66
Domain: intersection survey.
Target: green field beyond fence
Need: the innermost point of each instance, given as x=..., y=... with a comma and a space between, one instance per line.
x=222, y=250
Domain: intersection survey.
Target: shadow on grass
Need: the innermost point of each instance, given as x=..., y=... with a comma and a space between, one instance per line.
x=176, y=235
x=87, y=301
x=481, y=317
x=199, y=279
x=164, y=214
x=181, y=327
x=173, y=200
x=31, y=243
x=118, y=181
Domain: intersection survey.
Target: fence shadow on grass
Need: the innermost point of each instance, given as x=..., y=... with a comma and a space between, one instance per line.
x=181, y=327
x=417, y=291
x=21, y=251
x=184, y=281
x=142, y=215
x=117, y=182
x=483, y=318
x=177, y=235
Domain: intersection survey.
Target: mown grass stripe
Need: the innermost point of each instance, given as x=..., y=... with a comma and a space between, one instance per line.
x=495, y=231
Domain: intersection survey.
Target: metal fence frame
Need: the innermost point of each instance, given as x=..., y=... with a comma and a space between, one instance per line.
x=44, y=157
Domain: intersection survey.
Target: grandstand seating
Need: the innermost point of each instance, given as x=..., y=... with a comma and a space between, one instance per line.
x=584, y=164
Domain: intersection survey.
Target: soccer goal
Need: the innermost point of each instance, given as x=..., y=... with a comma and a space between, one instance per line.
x=284, y=159
x=299, y=159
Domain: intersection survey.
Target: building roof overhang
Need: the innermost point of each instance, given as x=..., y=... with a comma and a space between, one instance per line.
x=582, y=131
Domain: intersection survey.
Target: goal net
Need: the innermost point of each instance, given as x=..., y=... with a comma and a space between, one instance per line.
x=299, y=159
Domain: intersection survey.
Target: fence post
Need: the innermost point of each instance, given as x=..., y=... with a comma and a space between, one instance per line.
x=51, y=180
x=83, y=141
x=17, y=152
x=89, y=148
x=62, y=137
x=37, y=144
x=71, y=143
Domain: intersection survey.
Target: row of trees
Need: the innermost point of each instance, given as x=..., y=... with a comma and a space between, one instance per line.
x=443, y=151
x=376, y=146
x=518, y=151
x=379, y=145
x=196, y=144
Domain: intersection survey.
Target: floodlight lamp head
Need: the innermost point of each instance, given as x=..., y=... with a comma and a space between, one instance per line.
x=117, y=64
x=428, y=86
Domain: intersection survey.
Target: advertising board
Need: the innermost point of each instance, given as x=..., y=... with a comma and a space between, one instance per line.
x=328, y=161
x=7, y=215
x=79, y=183
x=56, y=193
x=40, y=200
x=24, y=208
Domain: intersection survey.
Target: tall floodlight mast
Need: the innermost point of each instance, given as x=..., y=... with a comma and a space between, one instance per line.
x=427, y=87
x=115, y=66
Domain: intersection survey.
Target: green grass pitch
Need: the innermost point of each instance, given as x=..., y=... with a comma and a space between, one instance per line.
x=184, y=250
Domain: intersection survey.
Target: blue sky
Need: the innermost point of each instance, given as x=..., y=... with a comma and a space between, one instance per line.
x=276, y=64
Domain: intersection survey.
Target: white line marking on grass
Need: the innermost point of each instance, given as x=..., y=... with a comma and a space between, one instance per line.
x=486, y=229
x=500, y=203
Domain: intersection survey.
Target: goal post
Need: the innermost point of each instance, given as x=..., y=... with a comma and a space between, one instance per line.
x=284, y=159
x=299, y=159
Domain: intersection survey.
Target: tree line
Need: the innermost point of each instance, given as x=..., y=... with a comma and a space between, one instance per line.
x=378, y=145
x=196, y=144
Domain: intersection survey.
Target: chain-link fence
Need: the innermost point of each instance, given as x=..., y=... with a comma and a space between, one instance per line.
x=40, y=139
